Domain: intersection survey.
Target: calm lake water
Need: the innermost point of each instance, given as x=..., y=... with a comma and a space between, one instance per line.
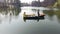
x=15, y=24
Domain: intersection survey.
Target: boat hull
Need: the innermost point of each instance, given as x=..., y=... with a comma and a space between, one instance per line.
x=36, y=17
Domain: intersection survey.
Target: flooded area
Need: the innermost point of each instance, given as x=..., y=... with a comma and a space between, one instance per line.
x=12, y=22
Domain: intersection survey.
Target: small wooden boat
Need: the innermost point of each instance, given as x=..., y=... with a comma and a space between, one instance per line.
x=32, y=16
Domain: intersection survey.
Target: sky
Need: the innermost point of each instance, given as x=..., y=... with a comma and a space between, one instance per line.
x=29, y=1
x=1, y=0
x=26, y=1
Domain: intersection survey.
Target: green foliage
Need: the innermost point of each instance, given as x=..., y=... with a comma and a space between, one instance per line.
x=57, y=4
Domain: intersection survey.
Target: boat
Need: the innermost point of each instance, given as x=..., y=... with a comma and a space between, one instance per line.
x=33, y=17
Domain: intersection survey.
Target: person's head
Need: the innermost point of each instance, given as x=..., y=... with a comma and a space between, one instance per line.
x=24, y=12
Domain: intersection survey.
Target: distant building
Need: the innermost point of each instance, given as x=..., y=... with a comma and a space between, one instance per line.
x=45, y=3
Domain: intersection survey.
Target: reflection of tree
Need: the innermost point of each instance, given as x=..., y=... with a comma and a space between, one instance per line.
x=17, y=11
x=58, y=14
x=50, y=12
x=17, y=8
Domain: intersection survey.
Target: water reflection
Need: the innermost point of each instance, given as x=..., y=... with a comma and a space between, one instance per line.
x=7, y=14
x=51, y=14
x=11, y=21
x=15, y=9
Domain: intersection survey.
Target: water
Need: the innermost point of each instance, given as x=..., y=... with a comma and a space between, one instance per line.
x=13, y=22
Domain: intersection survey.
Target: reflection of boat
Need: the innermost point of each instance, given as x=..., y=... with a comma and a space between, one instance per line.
x=33, y=17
